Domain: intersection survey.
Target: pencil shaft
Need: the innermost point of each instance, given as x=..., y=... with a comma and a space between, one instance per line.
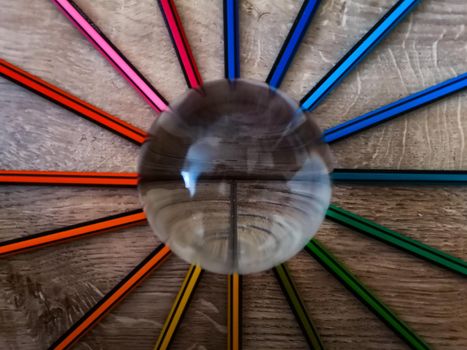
x=384, y=26
x=181, y=44
x=292, y=42
x=80, y=230
x=396, y=239
x=111, y=299
x=179, y=307
x=298, y=307
x=395, y=109
x=70, y=102
x=231, y=40
x=234, y=312
x=324, y=257
x=370, y=176
x=67, y=178
x=95, y=36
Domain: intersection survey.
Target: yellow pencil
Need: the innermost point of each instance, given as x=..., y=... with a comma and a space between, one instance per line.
x=179, y=307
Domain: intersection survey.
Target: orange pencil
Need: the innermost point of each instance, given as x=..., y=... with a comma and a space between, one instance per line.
x=111, y=299
x=70, y=232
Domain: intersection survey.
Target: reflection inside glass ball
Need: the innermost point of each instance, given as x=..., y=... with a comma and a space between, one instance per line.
x=234, y=177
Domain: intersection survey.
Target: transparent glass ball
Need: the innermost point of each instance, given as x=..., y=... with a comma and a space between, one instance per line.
x=234, y=177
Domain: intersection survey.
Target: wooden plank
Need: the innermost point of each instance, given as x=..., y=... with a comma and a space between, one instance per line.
x=412, y=58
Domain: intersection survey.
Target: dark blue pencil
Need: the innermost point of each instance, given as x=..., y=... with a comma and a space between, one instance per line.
x=292, y=42
x=231, y=40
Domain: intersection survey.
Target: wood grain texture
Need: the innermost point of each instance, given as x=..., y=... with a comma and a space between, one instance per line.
x=43, y=292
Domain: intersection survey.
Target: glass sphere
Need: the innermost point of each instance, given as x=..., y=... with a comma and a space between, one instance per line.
x=234, y=177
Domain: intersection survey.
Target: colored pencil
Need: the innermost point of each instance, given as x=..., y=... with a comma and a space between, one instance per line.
x=179, y=307
x=231, y=40
x=292, y=42
x=298, y=307
x=395, y=109
x=95, y=36
x=396, y=239
x=180, y=42
x=234, y=311
x=80, y=230
x=324, y=257
x=70, y=102
x=111, y=299
x=419, y=177
x=67, y=178
x=330, y=81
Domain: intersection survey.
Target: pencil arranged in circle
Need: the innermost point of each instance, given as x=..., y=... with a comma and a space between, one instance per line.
x=298, y=307
x=234, y=311
x=67, y=178
x=396, y=239
x=181, y=44
x=338, y=270
x=179, y=307
x=80, y=230
x=419, y=177
x=395, y=109
x=292, y=42
x=71, y=103
x=357, y=53
x=95, y=36
x=231, y=39
x=111, y=299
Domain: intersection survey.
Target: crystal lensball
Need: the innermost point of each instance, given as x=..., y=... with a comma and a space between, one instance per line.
x=234, y=177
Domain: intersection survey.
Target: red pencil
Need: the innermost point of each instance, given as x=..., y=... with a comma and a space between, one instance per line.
x=70, y=102
x=180, y=41
x=39, y=177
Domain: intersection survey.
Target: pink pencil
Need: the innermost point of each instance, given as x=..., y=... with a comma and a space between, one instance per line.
x=180, y=41
x=111, y=53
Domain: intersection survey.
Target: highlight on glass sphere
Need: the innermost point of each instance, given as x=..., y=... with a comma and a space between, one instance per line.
x=234, y=177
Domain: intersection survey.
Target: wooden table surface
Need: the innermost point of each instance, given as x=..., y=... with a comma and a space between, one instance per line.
x=44, y=292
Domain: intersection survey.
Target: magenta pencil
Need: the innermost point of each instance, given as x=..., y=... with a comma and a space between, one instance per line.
x=111, y=53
